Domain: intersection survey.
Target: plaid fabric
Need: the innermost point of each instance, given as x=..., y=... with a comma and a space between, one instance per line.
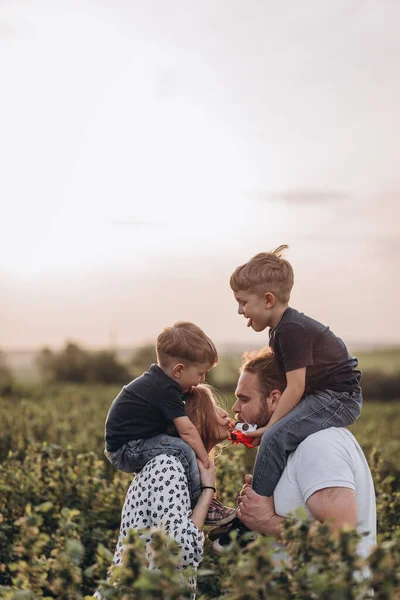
x=218, y=514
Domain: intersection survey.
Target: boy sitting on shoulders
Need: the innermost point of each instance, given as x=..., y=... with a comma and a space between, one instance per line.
x=140, y=415
x=323, y=382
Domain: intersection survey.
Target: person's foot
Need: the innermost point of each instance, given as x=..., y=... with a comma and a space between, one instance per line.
x=218, y=514
x=221, y=537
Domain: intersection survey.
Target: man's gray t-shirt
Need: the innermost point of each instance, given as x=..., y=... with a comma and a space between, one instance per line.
x=329, y=458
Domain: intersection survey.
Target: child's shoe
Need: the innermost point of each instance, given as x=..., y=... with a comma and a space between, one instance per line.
x=218, y=514
x=221, y=537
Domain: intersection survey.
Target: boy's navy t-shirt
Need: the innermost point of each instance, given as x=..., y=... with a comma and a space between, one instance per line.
x=143, y=408
x=299, y=341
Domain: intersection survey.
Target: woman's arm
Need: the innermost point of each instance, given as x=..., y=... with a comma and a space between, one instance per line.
x=169, y=506
x=207, y=477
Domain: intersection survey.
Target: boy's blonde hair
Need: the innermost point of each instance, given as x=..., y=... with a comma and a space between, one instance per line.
x=185, y=341
x=265, y=272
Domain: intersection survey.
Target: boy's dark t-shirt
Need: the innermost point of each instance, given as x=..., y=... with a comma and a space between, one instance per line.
x=299, y=341
x=143, y=408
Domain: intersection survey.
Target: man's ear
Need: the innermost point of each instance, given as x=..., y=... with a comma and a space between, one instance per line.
x=269, y=299
x=275, y=397
x=177, y=370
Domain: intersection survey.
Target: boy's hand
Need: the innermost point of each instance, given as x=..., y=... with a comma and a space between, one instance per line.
x=257, y=434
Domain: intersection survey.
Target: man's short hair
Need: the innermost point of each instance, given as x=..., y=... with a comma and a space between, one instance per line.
x=263, y=363
x=265, y=272
x=185, y=341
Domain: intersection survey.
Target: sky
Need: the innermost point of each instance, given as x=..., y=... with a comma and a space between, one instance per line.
x=147, y=149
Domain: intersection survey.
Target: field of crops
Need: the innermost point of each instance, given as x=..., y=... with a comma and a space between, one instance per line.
x=60, y=507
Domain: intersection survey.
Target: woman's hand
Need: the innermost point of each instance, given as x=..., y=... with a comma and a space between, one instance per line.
x=207, y=476
x=231, y=425
x=207, y=464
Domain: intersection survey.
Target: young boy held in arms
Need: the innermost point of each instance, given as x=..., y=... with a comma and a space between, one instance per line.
x=140, y=415
x=323, y=382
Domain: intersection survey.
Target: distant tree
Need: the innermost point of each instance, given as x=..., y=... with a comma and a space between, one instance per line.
x=381, y=387
x=143, y=357
x=103, y=367
x=71, y=364
x=45, y=363
x=6, y=376
x=76, y=365
x=225, y=374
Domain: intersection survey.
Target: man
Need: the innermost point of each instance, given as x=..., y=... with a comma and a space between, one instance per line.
x=327, y=474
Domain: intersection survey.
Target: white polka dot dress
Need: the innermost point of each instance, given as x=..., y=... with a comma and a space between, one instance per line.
x=158, y=498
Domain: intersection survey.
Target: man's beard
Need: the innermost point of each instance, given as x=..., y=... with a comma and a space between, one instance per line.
x=264, y=414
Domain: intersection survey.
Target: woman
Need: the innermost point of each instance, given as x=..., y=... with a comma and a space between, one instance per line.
x=158, y=497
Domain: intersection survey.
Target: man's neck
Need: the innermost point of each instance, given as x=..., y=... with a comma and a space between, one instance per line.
x=277, y=316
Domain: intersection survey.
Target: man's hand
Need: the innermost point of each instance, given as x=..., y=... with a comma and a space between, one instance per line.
x=255, y=511
x=248, y=480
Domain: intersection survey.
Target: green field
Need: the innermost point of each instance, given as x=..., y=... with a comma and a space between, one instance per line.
x=386, y=360
x=60, y=506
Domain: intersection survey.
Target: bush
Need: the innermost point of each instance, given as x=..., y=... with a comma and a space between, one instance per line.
x=6, y=377
x=142, y=358
x=73, y=364
x=51, y=495
x=59, y=520
x=60, y=504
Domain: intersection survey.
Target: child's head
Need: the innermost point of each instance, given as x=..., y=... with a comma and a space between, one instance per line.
x=186, y=353
x=262, y=285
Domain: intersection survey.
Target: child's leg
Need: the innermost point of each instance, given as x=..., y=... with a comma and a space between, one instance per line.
x=315, y=411
x=126, y=457
x=137, y=453
x=349, y=410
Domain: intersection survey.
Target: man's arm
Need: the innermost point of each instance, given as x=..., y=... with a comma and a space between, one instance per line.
x=191, y=436
x=336, y=506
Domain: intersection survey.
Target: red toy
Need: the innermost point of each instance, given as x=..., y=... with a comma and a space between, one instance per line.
x=237, y=437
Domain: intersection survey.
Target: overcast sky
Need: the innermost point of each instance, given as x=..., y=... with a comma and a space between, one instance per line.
x=148, y=148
